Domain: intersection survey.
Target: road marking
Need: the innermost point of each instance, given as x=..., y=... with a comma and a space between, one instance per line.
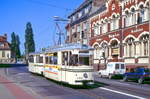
x=138, y=97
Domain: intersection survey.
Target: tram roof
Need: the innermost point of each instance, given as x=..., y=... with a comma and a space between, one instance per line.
x=36, y=53
x=71, y=46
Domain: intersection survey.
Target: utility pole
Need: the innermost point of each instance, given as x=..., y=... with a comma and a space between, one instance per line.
x=60, y=32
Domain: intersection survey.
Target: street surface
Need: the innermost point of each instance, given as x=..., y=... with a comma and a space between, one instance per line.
x=18, y=83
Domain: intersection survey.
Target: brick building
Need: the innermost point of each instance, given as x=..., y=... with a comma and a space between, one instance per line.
x=119, y=32
x=5, y=51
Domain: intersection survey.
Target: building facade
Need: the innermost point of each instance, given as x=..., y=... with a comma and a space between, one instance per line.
x=118, y=30
x=5, y=51
x=121, y=34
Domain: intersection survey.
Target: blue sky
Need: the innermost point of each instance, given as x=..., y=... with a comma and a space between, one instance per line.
x=14, y=14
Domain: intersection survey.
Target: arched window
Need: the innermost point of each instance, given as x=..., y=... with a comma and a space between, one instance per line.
x=96, y=52
x=104, y=27
x=115, y=47
x=141, y=14
x=114, y=23
x=133, y=16
x=104, y=48
x=144, y=44
x=128, y=16
x=130, y=50
x=96, y=29
x=147, y=12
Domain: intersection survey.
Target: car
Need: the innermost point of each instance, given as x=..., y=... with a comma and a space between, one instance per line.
x=113, y=68
x=139, y=74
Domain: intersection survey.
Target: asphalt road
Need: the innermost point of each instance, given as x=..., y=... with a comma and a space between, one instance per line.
x=45, y=89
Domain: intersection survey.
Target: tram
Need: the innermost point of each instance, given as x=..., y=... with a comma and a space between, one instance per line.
x=36, y=62
x=69, y=63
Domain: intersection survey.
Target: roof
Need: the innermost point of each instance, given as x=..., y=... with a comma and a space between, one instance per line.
x=71, y=46
x=83, y=5
x=4, y=44
x=64, y=47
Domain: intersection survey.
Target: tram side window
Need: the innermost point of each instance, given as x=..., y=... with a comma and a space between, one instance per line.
x=73, y=60
x=39, y=59
x=54, y=60
x=31, y=59
x=46, y=60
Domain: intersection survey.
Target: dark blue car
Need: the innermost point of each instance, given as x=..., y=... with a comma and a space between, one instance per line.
x=140, y=74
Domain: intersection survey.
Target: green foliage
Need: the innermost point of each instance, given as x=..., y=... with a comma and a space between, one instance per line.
x=18, y=53
x=15, y=46
x=29, y=40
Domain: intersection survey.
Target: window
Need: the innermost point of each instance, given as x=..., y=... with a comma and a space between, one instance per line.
x=130, y=47
x=80, y=14
x=122, y=66
x=141, y=14
x=117, y=66
x=1, y=45
x=3, y=53
x=104, y=27
x=96, y=29
x=31, y=59
x=114, y=23
x=133, y=16
x=39, y=59
x=147, y=12
x=96, y=52
x=144, y=44
x=127, y=18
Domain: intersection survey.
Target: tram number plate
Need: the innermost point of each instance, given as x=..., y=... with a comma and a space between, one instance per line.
x=79, y=77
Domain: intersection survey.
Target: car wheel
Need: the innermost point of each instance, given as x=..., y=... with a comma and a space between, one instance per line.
x=125, y=78
x=140, y=80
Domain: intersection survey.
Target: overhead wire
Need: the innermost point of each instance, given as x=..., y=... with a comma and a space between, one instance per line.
x=50, y=5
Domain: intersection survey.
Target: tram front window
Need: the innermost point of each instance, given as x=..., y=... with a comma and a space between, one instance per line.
x=84, y=60
x=31, y=59
x=75, y=60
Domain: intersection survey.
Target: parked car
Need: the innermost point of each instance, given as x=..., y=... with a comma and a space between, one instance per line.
x=113, y=68
x=139, y=74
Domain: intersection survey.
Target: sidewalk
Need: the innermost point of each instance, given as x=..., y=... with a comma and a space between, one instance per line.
x=10, y=90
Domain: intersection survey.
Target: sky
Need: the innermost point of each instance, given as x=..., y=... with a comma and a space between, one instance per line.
x=14, y=14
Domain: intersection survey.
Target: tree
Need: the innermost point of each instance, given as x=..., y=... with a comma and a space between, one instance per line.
x=29, y=40
x=13, y=45
x=18, y=53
